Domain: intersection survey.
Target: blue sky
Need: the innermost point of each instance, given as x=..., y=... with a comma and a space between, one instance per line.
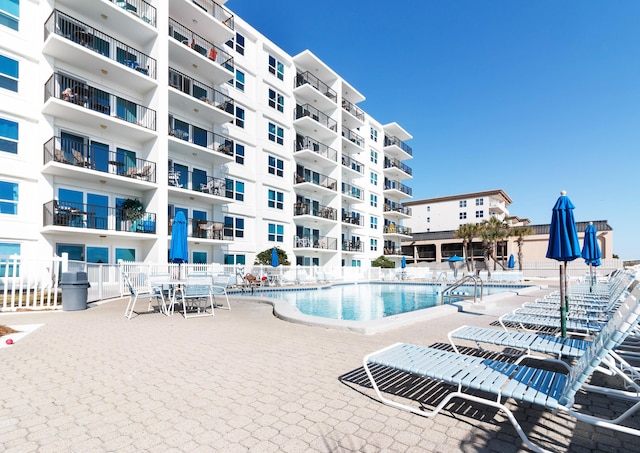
x=532, y=97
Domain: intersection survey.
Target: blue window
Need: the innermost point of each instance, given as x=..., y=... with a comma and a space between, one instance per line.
x=276, y=67
x=234, y=226
x=239, y=80
x=240, y=117
x=97, y=254
x=75, y=251
x=9, y=13
x=199, y=257
x=235, y=259
x=276, y=232
x=234, y=189
x=8, y=136
x=276, y=199
x=239, y=154
x=276, y=100
x=8, y=198
x=276, y=134
x=276, y=166
x=125, y=254
x=7, y=249
x=8, y=73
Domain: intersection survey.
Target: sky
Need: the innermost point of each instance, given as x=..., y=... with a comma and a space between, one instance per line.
x=532, y=97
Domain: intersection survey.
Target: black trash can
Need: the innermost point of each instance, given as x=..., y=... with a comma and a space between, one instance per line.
x=74, y=286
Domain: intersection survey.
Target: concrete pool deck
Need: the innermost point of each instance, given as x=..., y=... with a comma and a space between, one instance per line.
x=245, y=381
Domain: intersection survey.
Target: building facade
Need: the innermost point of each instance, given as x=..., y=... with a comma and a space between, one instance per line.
x=117, y=115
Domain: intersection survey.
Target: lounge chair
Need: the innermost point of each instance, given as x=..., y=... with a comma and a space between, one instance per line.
x=549, y=389
x=219, y=288
x=150, y=293
x=197, y=297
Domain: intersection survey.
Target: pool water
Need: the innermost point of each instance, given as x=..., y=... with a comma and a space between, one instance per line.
x=369, y=301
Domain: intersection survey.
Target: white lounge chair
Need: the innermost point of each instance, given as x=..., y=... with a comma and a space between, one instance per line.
x=219, y=287
x=552, y=390
x=197, y=297
x=149, y=293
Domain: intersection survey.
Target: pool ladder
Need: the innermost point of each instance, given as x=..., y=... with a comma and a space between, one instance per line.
x=469, y=278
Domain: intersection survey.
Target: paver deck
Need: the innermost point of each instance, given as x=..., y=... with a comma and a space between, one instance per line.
x=242, y=381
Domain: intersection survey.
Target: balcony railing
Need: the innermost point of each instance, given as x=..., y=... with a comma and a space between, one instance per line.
x=200, y=91
x=315, y=242
x=140, y=8
x=352, y=219
x=316, y=210
x=393, y=251
x=396, y=185
x=216, y=11
x=352, y=191
x=66, y=26
x=315, y=178
x=204, y=229
x=352, y=137
x=316, y=115
x=303, y=78
x=76, y=92
x=200, y=45
x=352, y=164
x=97, y=217
x=390, y=141
x=391, y=206
x=354, y=245
x=200, y=137
x=309, y=143
x=351, y=108
x=390, y=163
x=397, y=229
x=94, y=157
x=198, y=181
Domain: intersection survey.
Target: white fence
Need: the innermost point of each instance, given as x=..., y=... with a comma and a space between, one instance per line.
x=29, y=284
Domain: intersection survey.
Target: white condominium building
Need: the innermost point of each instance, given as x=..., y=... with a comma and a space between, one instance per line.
x=117, y=115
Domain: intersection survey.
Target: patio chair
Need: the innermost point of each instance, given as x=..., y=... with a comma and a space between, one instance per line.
x=551, y=390
x=149, y=294
x=197, y=297
x=219, y=288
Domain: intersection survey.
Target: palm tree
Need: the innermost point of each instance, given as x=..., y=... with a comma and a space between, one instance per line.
x=493, y=231
x=467, y=232
x=520, y=232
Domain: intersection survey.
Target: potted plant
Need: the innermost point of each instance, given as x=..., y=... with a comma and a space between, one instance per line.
x=132, y=209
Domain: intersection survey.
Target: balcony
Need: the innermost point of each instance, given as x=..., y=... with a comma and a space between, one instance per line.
x=190, y=95
x=356, y=167
x=355, y=116
x=309, y=181
x=206, y=16
x=198, y=181
x=352, y=142
x=312, y=152
x=75, y=98
x=315, y=242
x=97, y=217
x=190, y=50
x=315, y=210
x=396, y=188
x=205, y=229
x=307, y=118
x=352, y=192
x=353, y=245
x=73, y=155
x=394, y=147
x=393, y=210
x=395, y=169
x=185, y=138
x=104, y=57
x=393, y=229
x=498, y=207
x=313, y=90
x=352, y=219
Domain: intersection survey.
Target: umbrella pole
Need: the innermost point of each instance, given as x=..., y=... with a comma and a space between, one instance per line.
x=591, y=282
x=563, y=302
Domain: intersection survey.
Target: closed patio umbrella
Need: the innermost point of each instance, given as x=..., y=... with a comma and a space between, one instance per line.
x=403, y=262
x=274, y=257
x=563, y=246
x=591, y=250
x=512, y=262
x=179, y=249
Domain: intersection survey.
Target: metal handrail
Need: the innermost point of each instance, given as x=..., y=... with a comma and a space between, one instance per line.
x=447, y=291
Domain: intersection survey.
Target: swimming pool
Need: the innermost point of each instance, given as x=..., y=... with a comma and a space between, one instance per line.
x=369, y=301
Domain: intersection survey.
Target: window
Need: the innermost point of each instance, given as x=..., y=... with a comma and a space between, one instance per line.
x=239, y=80
x=125, y=254
x=373, y=201
x=374, y=179
x=276, y=134
x=373, y=223
x=8, y=136
x=276, y=232
x=8, y=198
x=276, y=68
x=374, y=156
x=234, y=189
x=463, y=203
x=8, y=73
x=428, y=208
x=240, y=117
x=276, y=166
x=374, y=135
x=479, y=201
x=239, y=154
x=199, y=257
x=428, y=219
x=233, y=227
x=10, y=13
x=463, y=215
x=239, y=43
x=234, y=259
x=276, y=199
x=276, y=100
x=479, y=214
x=373, y=245
x=97, y=254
